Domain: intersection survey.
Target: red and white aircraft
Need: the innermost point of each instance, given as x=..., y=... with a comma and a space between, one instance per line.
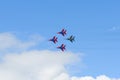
x=54, y=39
x=62, y=32
x=62, y=47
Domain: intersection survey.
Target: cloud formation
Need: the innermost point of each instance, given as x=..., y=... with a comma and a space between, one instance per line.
x=40, y=65
x=36, y=64
x=101, y=77
x=9, y=41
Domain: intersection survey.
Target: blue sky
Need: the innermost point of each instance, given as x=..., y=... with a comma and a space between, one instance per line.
x=94, y=23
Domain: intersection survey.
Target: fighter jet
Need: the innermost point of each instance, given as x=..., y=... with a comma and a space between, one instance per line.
x=63, y=32
x=71, y=38
x=62, y=47
x=54, y=39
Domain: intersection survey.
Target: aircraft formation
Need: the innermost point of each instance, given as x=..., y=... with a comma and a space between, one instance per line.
x=63, y=32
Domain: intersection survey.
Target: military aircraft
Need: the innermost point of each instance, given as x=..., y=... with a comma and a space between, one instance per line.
x=62, y=47
x=54, y=39
x=63, y=32
x=71, y=38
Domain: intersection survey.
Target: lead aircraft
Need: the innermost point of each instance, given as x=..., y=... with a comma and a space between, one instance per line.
x=62, y=32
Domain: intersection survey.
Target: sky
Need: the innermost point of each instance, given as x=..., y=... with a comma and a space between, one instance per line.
x=27, y=25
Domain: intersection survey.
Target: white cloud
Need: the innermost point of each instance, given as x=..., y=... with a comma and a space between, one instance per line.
x=36, y=64
x=101, y=77
x=62, y=76
x=9, y=41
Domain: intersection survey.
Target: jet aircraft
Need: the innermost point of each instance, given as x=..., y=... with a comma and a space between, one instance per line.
x=71, y=38
x=54, y=39
x=63, y=32
x=62, y=47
